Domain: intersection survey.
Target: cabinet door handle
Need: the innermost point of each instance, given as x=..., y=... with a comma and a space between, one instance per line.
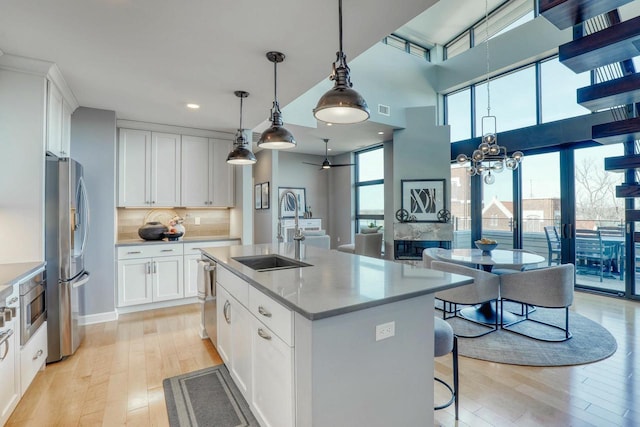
x=155, y=267
x=148, y=265
x=263, y=334
x=4, y=339
x=37, y=355
x=167, y=250
x=263, y=311
x=227, y=311
x=133, y=252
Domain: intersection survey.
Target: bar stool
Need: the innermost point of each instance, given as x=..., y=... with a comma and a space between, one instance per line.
x=446, y=342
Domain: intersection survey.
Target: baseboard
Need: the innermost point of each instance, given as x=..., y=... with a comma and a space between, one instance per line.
x=154, y=305
x=90, y=319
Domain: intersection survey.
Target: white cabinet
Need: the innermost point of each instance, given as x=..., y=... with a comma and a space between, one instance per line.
x=259, y=360
x=58, y=122
x=150, y=273
x=305, y=224
x=33, y=357
x=9, y=363
x=272, y=389
x=148, y=168
x=207, y=179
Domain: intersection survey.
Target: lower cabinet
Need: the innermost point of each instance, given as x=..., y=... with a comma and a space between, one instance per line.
x=260, y=361
x=33, y=357
x=9, y=371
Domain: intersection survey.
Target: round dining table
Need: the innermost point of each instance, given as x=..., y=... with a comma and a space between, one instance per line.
x=487, y=312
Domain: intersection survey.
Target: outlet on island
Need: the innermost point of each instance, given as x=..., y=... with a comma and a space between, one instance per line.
x=196, y=220
x=385, y=330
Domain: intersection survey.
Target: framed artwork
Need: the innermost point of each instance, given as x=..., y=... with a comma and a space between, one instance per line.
x=265, y=195
x=423, y=198
x=288, y=204
x=258, y=196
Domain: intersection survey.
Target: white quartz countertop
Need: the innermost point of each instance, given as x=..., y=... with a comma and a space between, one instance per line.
x=186, y=239
x=336, y=282
x=14, y=273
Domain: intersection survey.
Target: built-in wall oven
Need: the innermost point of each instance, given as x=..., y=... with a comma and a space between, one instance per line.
x=33, y=305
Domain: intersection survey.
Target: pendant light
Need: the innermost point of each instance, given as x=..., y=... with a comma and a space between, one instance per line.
x=241, y=155
x=341, y=104
x=277, y=137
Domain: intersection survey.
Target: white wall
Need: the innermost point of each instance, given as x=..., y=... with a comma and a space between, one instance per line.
x=22, y=138
x=263, y=219
x=341, y=199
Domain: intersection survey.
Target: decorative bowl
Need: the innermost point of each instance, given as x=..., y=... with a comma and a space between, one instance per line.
x=369, y=230
x=172, y=236
x=152, y=230
x=485, y=247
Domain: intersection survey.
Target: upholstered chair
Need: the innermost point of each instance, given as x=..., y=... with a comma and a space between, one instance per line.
x=485, y=288
x=446, y=342
x=550, y=287
x=368, y=244
x=319, y=239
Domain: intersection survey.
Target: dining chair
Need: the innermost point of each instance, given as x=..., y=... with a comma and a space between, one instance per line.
x=446, y=342
x=550, y=287
x=484, y=289
x=553, y=244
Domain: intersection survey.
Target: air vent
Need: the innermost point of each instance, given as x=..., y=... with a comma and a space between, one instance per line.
x=384, y=110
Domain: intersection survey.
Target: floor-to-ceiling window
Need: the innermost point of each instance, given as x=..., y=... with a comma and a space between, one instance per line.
x=369, y=185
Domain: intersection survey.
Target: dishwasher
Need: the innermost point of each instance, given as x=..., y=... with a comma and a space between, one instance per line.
x=207, y=297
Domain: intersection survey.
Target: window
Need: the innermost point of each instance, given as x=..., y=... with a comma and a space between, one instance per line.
x=458, y=114
x=513, y=100
x=369, y=187
x=407, y=46
x=558, y=88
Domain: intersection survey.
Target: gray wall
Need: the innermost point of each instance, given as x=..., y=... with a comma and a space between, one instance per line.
x=93, y=144
x=263, y=218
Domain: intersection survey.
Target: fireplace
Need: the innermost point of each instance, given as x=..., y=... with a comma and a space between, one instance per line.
x=412, y=249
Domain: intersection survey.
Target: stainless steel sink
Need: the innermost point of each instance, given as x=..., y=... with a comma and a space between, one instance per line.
x=270, y=262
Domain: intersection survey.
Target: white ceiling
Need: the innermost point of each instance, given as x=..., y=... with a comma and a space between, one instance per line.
x=146, y=59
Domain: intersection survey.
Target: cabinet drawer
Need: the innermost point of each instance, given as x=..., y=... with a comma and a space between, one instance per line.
x=237, y=287
x=274, y=315
x=148, y=251
x=33, y=356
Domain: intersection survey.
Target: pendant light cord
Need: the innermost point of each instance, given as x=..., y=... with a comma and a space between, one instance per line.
x=486, y=21
x=240, y=115
x=275, y=84
x=340, y=24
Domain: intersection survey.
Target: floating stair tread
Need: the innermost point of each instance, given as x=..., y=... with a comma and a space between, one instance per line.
x=622, y=163
x=618, y=131
x=627, y=190
x=632, y=215
x=567, y=13
x=613, y=44
x=622, y=91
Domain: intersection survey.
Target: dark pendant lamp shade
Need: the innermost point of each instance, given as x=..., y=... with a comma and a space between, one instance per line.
x=341, y=104
x=241, y=155
x=276, y=137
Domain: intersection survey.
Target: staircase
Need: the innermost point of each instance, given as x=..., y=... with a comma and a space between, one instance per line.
x=605, y=45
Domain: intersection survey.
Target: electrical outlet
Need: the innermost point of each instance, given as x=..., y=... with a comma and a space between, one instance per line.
x=385, y=330
x=196, y=220
x=338, y=239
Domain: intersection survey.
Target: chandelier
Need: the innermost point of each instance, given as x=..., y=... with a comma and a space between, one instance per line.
x=490, y=157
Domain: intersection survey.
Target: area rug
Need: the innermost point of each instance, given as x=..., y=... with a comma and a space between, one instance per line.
x=204, y=398
x=590, y=342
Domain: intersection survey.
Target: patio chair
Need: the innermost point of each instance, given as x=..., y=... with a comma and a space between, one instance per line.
x=550, y=287
x=553, y=244
x=592, y=256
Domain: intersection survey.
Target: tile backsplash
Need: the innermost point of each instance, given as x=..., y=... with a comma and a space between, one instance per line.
x=213, y=222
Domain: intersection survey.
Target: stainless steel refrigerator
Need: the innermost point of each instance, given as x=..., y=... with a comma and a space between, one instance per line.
x=66, y=232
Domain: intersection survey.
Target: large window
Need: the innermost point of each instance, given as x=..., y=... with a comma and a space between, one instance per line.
x=370, y=187
x=458, y=114
x=559, y=85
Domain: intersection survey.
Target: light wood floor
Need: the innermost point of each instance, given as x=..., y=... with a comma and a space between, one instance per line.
x=115, y=378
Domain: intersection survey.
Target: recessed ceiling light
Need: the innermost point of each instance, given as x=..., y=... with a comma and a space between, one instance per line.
x=329, y=124
x=380, y=133
x=193, y=106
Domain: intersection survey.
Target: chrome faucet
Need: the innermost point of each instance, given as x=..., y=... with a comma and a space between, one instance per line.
x=297, y=235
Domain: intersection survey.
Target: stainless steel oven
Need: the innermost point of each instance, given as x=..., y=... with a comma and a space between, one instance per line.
x=33, y=306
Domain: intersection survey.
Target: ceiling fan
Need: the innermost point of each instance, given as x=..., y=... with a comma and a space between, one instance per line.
x=326, y=164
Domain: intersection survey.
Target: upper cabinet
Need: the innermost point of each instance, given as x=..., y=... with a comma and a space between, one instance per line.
x=207, y=179
x=58, y=122
x=148, y=169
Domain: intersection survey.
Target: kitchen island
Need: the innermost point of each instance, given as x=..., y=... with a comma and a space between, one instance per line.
x=344, y=341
